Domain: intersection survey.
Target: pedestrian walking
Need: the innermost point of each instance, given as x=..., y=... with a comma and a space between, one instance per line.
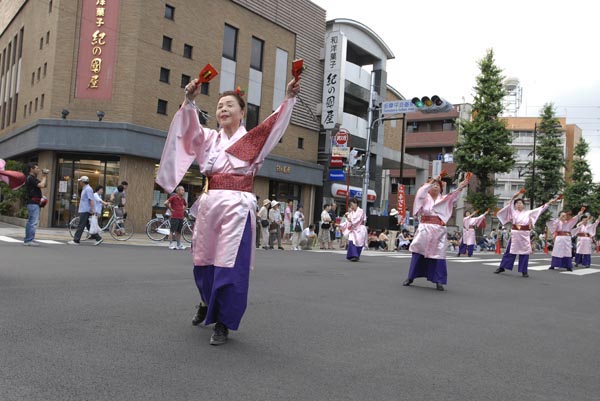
x=520, y=242
x=354, y=228
x=470, y=222
x=584, y=232
x=99, y=202
x=275, y=225
x=87, y=208
x=298, y=223
x=176, y=205
x=288, y=230
x=560, y=229
x=430, y=242
x=263, y=216
x=35, y=200
x=230, y=157
x=325, y=225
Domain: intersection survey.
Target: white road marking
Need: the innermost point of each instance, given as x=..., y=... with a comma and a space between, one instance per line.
x=8, y=239
x=582, y=272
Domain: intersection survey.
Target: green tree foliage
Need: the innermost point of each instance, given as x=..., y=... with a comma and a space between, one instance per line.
x=484, y=146
x=582, y=191
x=545, y=176
x=12, y=201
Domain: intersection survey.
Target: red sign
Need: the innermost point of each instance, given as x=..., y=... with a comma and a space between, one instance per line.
x=341, y=138
x=336, y=162
x=97, y=49
x=401, y=201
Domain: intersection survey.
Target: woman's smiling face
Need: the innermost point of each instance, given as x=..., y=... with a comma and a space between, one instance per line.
x=229, y=113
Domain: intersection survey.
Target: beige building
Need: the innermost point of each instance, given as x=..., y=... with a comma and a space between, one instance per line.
x=524, y=131
x=90, y=89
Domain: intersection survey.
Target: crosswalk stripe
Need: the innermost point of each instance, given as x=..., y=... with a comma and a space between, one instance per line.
x=48, y=241
x=8, y=239
x=582, y=272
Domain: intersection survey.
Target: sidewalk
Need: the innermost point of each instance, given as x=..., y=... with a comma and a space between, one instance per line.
x=62, y=235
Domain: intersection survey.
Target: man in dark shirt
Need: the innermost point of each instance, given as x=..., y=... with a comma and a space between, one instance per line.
x=33, y=187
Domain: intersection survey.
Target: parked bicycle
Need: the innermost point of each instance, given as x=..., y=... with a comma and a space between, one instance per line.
x=158, y=229
x=119, y=227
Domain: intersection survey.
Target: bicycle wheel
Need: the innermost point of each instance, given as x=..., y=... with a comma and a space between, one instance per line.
x=152, y=228
x=73, y=224
x=187, y=232
x=121, y=229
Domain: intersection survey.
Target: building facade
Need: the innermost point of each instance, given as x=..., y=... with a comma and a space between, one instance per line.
x=92, y=90
x=354, y=87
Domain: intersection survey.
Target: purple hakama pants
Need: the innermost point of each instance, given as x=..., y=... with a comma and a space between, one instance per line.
x=566, y=262
x=583, y=259
x=465, y=249
x=225, y=289
x=353, y=251
x=508, y=260
x=433, y=269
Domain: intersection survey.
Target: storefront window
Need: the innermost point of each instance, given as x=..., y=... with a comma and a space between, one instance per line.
x=193, y=183
x=100, y=170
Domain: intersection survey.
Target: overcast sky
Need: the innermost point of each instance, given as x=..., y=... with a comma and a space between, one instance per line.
x=550, y=46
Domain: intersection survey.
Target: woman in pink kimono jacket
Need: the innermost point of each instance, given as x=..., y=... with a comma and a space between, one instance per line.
x=468, y=239
x=520, y=242
x=225, y=229
x=354, y=228
x=560, y=229
x=584, y=232
x=431, y=237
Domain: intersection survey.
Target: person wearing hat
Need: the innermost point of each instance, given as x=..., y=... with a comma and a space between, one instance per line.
x=263, y=216
x=431, y=238
x=87, y=208
x=275, y=225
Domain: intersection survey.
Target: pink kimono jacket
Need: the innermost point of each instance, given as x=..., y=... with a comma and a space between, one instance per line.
x=520, y=242
x=584, y=244
x=222, y=214
x=469, y=224
x=562, y=243
x=431, y=239
x=354, y=227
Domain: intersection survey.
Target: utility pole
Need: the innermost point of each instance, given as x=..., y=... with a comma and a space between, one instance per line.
x=365, y=187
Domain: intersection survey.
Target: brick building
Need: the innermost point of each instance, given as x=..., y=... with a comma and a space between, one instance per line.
x=90, y=89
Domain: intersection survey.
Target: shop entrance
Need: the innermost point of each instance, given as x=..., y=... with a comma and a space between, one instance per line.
x=101, y=170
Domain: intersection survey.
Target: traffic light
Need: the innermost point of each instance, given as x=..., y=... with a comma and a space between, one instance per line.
x=435, y=104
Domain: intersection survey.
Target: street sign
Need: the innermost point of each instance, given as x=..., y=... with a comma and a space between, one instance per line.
x=397, y=107
x=336, y=161
x=341, y=151
x=341, y=138
x=337, y=175
x=436, y=168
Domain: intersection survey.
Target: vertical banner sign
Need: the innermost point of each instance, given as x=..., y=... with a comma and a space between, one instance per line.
x=401, y=201
x=97, y=49
x=333, y=79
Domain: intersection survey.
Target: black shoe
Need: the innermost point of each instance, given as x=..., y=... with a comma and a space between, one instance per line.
x=525, y=275
x=439, y=287
x=281, y=248
x=265, y=248
x=569, y=269
x=499, y=270
x=219, y=335
x=200, y=315
x=407, y=282
x=576, y=265
x=551, y=268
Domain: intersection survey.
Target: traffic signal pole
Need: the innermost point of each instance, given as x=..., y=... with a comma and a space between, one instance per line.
x=370, y=124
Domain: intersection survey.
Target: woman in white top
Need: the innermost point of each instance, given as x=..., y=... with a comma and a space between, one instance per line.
x=298, y=222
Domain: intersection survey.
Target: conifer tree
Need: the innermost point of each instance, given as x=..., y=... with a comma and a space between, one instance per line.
x=484, y=146
x=545, y=173
x=581, y=191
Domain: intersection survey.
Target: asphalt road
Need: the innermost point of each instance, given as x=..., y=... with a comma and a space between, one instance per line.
x=113, y=323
